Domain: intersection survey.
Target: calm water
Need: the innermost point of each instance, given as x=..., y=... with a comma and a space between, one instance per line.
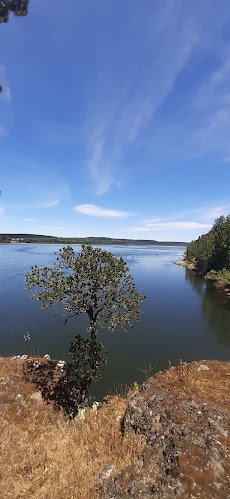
x=182, y=318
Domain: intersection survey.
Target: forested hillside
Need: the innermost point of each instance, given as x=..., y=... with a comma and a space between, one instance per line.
x=42, y=239
x=211, y=252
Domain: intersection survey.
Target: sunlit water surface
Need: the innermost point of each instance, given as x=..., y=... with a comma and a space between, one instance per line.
x=182, y=317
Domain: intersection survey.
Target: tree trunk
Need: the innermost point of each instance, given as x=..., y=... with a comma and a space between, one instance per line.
x=93, y=325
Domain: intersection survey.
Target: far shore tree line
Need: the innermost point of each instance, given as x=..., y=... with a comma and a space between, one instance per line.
x=211, y=252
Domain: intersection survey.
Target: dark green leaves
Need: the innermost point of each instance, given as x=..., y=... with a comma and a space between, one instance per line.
x=93, y=282
x=18, y=7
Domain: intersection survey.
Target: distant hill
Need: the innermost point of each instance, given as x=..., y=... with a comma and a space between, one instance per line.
x=40, y=239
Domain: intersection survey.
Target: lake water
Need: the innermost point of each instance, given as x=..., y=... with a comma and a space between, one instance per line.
x=182, y=317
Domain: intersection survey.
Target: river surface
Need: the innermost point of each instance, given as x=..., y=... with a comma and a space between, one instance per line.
x=183, y=318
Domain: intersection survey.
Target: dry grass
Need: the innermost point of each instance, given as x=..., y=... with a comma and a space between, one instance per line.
x=211, y=386
x=44, y=455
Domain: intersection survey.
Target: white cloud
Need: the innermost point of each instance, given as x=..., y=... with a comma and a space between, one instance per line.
x=52, y=227
x=171, y=226
x=207, y=213
x=50, y=204
x=213, y=105
x=216, y=212
x=152, y=220
x=100, y=173
x=139, y=229
x=97, y=211
x=125, y=110
x=2, y=211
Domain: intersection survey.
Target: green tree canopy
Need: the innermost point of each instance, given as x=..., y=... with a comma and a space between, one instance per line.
x=18, y=7
x=94, y=283
x=212, y=250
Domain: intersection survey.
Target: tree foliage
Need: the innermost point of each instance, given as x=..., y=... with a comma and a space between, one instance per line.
x=212, y=250
x=88, y=363
x=94, y=283
x=18, y=7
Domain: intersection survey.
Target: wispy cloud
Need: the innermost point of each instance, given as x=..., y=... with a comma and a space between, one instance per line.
x=171, y=226
x=49, y=204
x=52, y=227
x=201, y=218
x=212, y=103
x=207, y=213
x=98, y=211
x=101, y=175
x=134, y=104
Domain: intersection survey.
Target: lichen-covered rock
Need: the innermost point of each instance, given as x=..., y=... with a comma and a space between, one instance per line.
x=188, y=451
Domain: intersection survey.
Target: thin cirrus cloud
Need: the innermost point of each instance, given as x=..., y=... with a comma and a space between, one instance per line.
x=50, y=204
x=98, y=211
x=171, y=226
x=213, y=102
x=136, y=105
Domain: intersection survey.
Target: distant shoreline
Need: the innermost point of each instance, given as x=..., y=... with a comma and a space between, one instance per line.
x=20, y=238
x=176, y=245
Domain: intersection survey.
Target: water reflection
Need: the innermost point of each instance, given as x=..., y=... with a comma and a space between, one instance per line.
x=197, y=283
x=215, y=306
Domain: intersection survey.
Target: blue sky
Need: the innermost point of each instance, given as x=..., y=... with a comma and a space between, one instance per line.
x=115, y=118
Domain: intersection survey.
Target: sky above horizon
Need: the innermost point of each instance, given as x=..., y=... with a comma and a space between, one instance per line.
x=115, y=118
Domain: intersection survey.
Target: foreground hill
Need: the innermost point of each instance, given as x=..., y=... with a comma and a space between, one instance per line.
x=39, y=239
x=169, y=438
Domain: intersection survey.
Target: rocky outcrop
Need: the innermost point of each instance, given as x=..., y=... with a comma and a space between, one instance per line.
x=184, y=416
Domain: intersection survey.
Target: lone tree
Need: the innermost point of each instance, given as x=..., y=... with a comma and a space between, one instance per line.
x=94, y=283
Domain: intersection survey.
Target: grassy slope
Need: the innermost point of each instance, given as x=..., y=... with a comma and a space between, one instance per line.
x=44, y=455
x=42, y=452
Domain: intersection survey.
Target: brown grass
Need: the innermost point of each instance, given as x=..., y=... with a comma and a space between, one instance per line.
x=44, y=455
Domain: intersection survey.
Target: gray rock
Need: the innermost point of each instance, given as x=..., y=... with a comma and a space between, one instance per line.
x=4, y=381
x=36, y=364
x=15, y=358
x=203, y=367
x=19, y=399
x=95, y=406
x=61, y=364
x=80, y=415
x=106, y=471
